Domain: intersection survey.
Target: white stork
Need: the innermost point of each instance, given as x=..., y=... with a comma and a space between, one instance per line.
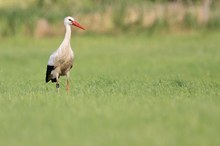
x=61, y=61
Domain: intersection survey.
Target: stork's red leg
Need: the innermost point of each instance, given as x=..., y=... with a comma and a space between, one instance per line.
x=68, y=82
x=67, y=86
x=57, y=83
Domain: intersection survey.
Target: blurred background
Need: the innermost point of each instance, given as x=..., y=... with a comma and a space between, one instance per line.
x=43, y=18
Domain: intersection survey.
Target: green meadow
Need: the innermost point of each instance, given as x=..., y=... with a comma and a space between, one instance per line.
x=126, y=90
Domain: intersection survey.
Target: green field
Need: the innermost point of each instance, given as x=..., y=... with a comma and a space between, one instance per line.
x=126, y=90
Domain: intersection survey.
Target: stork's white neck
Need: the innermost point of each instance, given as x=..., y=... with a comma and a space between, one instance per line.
x=68, y=32
x=66, y=40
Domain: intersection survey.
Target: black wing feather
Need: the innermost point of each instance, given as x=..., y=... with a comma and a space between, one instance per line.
x=48, y=74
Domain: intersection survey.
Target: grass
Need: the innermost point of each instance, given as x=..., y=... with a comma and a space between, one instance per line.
x=126, y=90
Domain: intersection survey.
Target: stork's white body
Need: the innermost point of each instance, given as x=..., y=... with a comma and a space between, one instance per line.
x=63, y=57
x=61, y=61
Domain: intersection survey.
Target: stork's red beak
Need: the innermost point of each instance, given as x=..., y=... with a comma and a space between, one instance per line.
x=75, y=23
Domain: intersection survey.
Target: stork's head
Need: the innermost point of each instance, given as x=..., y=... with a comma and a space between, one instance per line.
x=71, y=21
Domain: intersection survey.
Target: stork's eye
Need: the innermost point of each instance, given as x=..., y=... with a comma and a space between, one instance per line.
x=70, y=20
